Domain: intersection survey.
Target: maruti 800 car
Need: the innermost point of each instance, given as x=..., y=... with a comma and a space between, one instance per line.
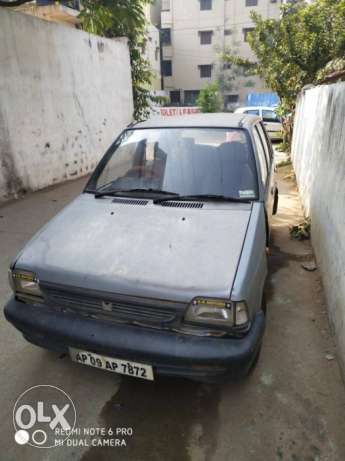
x=159, y=266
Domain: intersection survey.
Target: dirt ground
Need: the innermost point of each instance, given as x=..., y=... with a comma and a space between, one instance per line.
x=291, y=408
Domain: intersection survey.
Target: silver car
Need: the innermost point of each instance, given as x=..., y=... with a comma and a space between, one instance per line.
x=159, y=266
x=272, y=122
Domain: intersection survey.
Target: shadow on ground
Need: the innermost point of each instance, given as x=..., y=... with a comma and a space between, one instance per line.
x=172, y=419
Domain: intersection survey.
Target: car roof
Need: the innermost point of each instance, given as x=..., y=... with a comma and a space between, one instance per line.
x=214, y=120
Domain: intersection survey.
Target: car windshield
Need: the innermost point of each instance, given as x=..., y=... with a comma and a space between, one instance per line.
x=184, y=161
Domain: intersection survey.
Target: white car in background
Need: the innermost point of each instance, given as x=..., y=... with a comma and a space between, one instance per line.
x=272, y=121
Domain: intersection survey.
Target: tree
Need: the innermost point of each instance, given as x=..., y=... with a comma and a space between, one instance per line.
x=291, y=51
x=209, y=98
x=124, y=18
x=231, y=76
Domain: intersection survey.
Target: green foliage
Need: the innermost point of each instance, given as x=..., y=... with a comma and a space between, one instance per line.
x=302, y=230
x=161, y=100
x=249, y=84
x=209, y=98
x=124, y=18
x=282, y=147
x=292, y=50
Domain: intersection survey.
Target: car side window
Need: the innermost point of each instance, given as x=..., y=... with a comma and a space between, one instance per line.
x=264, y=143
x=261, y=155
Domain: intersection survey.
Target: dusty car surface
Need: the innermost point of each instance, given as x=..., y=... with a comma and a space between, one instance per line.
x=159, y=266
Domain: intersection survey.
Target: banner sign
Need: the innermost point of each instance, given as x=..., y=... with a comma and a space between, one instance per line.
x=173, y=111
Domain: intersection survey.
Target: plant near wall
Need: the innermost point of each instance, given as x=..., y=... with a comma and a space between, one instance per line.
x=124, y=18
x=291, y=51
x=209, y=98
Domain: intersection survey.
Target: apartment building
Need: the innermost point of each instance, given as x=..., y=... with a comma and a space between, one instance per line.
x=195, y=33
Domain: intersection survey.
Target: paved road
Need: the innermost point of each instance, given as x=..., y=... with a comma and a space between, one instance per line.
x=290, y=409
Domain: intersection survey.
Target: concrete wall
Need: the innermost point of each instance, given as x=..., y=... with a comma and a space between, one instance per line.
x=319, y=161
x=64, y=96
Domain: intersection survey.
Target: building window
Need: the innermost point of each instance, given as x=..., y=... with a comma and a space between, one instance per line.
x=175, y=97
x=251, y=2
x=246, y=31
x=166, y=5
x=167, y=68
x=227, y=66
x=205, y=71
x=166, y=36
x=231, y=101
x=190, y=97
x=227, y=32
x=231, y=98
x=206, y=37
x=205, y=5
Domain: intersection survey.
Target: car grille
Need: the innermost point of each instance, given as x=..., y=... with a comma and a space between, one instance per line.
x=109, y=308
x=176, y=204
x=124, y=201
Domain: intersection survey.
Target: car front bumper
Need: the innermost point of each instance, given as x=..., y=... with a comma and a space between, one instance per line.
x=169, y=353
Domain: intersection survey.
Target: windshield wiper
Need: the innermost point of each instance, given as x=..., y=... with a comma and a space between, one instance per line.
x=201, y=197
x=122, y=192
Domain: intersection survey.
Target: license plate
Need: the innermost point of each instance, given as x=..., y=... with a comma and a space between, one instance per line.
x=124, y=367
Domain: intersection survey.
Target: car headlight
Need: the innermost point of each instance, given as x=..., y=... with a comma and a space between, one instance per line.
x=25, y=285
x=210, y=311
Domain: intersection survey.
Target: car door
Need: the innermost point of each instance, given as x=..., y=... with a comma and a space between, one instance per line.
x=266, y=160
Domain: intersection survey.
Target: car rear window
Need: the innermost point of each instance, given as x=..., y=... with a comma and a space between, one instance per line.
x=252, y=112
x=270, y=116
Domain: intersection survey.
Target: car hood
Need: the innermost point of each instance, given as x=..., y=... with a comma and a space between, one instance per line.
x=143, y=250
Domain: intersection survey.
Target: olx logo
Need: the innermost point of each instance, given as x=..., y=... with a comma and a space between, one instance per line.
x=42, y=412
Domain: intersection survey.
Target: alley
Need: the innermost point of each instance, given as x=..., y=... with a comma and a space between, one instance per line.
x=291, y=408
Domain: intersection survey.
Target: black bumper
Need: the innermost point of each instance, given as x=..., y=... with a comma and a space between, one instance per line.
x=169, y=353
